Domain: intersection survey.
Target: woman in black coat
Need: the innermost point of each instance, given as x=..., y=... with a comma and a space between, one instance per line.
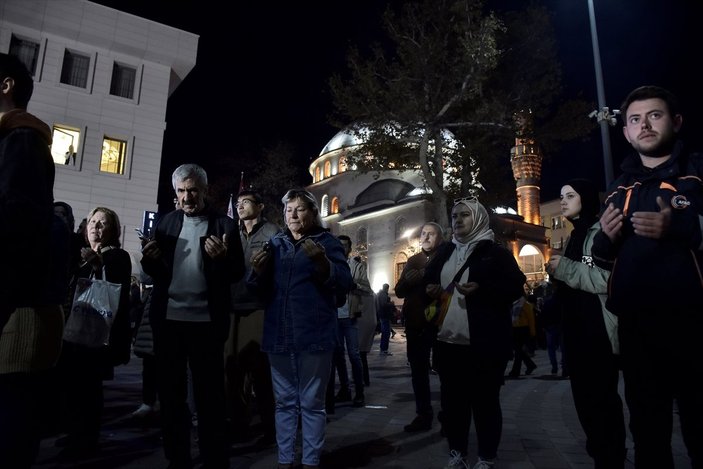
x=474, y=341
x=83, y=368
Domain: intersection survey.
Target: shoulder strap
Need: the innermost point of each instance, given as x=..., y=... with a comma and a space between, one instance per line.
x=458, y=275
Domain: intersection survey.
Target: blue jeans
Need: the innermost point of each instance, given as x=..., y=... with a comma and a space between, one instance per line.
x=299, y=385
x=348, y=333
x=385, y=333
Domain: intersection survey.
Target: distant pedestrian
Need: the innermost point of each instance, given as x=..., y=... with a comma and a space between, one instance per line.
x=385, y=309
x=524, y=331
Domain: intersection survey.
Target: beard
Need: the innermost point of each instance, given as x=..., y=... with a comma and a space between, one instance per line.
x=660, y=149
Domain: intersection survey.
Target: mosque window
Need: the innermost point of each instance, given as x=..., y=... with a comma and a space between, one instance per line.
x=334, y=206
x=400, y=263
x=317, y=174
x=328, y=168
x=531, y=262
x=324, y=206
x=362, y=242
x=401, y=225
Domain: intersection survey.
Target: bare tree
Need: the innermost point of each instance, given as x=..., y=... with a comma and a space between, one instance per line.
x=441, y=95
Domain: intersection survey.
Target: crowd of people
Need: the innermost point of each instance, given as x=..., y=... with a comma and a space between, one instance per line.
x=227, y=312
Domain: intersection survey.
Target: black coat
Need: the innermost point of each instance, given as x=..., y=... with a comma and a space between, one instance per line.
x=500, y=283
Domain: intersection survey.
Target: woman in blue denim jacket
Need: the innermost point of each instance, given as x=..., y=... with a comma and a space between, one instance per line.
x=300, y=275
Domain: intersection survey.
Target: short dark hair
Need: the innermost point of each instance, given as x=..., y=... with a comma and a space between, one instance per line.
x=650, y=92
x=255, y=195
x=12, y=67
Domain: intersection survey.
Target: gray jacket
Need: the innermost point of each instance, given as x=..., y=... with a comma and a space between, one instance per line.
x=244, y=300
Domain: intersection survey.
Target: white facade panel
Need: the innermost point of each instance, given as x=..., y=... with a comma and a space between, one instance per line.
x=105, y=35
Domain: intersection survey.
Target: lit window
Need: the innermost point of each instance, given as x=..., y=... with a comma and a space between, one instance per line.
x=27, y=51
x=317, y=174
x=334, y=206
x=75, y=67
x=123, y=80
x=324, y=207
x=342, y=164
x=530, y=260
x=328, y=169
x=114, y=156
x=64, y=145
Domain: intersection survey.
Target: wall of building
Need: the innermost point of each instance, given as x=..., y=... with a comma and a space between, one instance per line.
x=162, y=57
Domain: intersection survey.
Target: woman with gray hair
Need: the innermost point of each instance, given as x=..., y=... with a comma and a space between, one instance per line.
x=299, y=276
x=481, y=280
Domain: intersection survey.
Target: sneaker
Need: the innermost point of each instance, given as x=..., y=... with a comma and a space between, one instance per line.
x=143, y=410
x=385, y=352
x=484, y=464
x=456, y=459
x=420, y=423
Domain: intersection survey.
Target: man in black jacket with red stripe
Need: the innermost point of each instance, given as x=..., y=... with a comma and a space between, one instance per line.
x=650, y=239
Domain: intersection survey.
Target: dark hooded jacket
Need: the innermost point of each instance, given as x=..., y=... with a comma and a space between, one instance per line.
x=651, y=273
x=26, y=210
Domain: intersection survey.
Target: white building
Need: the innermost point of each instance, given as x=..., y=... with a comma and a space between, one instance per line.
x=102, y=79
x=382, y=212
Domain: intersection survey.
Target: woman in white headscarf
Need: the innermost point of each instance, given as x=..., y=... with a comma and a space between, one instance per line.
x=474, y=342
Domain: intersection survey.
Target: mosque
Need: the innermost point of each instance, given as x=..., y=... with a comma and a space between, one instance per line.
x=382, y=212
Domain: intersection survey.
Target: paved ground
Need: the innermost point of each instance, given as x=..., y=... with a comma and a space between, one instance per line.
x=540, y=429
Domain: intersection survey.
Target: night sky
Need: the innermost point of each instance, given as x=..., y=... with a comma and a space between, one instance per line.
x=265, y=68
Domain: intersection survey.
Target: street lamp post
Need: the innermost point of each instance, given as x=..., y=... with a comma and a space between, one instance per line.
x=603, y=114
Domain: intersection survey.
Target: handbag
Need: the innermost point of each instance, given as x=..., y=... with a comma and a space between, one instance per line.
x=436, y=311
x=93, y=311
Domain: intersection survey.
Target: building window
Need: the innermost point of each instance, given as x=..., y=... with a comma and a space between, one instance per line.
x=317, y=174
x=362, y=244
x=328, y=169
x=75, y=68
x=342, y=164
x=400, y=227
x=531, y=262
x=400, y=263
x=334, y=206
x=114, y=156
x=558, y=222
x=64, y=145
x=324, y=206
x=27, y=51
x=123, y=80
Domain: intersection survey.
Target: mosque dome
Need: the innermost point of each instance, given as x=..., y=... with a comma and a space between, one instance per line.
x=348, y=138
x=343, y=139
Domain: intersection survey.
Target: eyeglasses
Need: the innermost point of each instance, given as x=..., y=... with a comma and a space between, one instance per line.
x=244, y=202
x=465, y=199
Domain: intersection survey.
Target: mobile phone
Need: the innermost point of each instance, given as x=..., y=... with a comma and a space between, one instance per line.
x=141, y=235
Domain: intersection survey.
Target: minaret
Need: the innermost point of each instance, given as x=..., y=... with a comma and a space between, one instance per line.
x=526, y=160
